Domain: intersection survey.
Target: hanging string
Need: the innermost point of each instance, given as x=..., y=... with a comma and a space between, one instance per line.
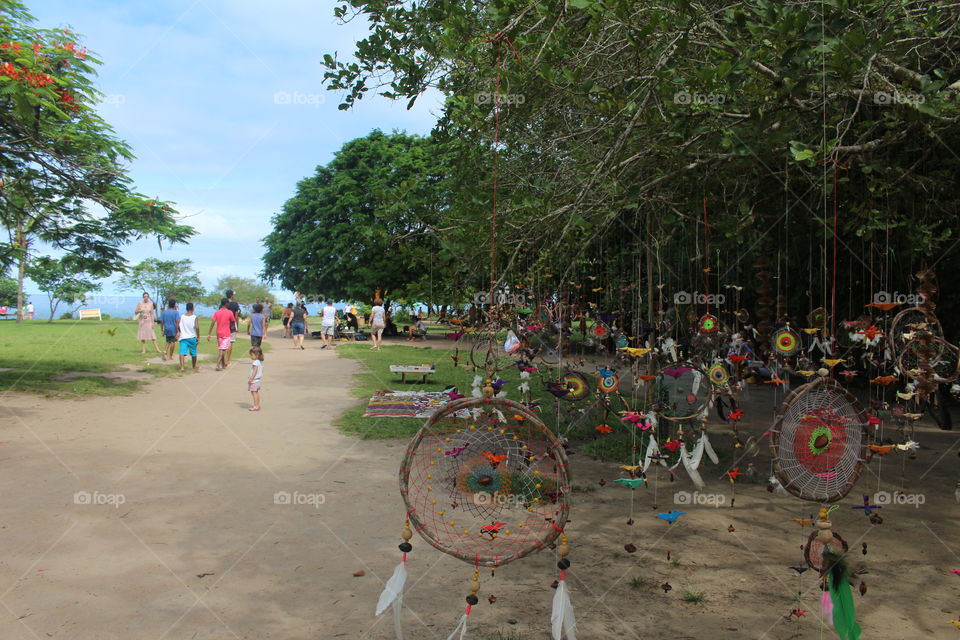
x=833, y=296
x=499, y=38
x=706, y=253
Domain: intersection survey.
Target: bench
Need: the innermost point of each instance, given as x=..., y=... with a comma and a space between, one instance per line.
x=89, y=313
x=423, y=370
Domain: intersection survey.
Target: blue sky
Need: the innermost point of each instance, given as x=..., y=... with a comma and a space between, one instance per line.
x=224, y=106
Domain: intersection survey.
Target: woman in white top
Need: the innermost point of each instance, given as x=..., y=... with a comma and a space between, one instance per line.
x=378, y=321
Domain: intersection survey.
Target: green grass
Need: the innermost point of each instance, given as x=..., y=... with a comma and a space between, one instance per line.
x=376, y=376
x=638, y=582
x=694, y=597
x=37, y=352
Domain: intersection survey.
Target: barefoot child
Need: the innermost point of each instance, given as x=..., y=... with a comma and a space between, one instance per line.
x=256, y=374
x=222, y=319
x=189, y=330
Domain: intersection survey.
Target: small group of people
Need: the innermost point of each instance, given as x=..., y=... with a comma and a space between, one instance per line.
x=296, y=324
x=185, y=330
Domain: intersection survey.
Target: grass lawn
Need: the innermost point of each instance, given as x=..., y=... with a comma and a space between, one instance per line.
x=376, y=376
x=36, y=352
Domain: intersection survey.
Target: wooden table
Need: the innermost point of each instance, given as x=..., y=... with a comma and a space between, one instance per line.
x=423, y=370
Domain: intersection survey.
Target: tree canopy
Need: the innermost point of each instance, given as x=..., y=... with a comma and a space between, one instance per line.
x=629, y=125
x=368, y=219
x=63, y=171
x=245, y=291
x=61, y=281
x=164, y=279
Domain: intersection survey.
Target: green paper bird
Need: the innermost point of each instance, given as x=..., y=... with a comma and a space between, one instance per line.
x=633, y=483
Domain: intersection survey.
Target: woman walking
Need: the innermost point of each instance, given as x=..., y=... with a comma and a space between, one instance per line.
x=298, y=325
x=143, y=314
x=378, y=321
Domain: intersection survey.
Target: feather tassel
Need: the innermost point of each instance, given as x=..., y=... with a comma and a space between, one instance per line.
x=393, y=595
x=393, y=589
x=461, y=627
x=827, y=605
x=708, y=449
x=562, y=616
x=844, y=613
x=691, y=470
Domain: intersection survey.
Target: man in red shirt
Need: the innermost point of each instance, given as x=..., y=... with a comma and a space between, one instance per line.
x=222, y=319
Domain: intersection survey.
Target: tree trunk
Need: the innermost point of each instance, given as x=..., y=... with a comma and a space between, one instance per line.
x=53, y=307
x=21, y=243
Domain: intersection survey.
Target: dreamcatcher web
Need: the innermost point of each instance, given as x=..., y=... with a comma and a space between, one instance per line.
x=488, y=488
x=818, y=442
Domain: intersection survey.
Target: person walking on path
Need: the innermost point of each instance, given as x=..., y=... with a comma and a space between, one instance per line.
x=285, y=319
x=257, y=325
x=234, y=307
x=189, y=329
x=143, y=314
x=328, y=324
x=298, y=325
x=170, y=319
x=378, y=322
x=255, y=376
x=222, y=319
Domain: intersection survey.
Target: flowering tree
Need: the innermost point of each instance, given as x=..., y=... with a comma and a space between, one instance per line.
x=63, y=175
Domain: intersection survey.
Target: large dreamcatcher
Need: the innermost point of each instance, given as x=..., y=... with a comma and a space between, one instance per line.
x=487, y=482
x=817, y=442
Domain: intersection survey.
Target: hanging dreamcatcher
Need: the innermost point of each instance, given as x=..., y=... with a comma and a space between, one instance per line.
x=818, y=442
x=681, y=392
x=486, y=482
x=576, y=384
x=907, y=323
x=786, y=342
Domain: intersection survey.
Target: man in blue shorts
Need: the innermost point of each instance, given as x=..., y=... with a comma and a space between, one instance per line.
x=171, y=327
x=189, y=329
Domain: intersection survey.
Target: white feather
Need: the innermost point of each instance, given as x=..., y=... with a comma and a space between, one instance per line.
x=697, y=377
x=461, y=627
x=652, y=450
x=393, y=588
x=708, y=449
x=562, y=617
x=691, y=470
x=696, y=454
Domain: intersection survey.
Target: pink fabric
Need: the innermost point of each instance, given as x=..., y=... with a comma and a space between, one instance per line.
x=223, y=343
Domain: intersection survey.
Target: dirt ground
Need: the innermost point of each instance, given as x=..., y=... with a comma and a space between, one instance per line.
x=176, y=513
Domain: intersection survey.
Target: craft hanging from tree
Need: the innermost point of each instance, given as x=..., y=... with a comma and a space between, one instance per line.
x=486, y=482
x=817, y=441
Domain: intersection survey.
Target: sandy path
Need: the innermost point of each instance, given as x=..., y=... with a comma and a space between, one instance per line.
x=197, y=475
